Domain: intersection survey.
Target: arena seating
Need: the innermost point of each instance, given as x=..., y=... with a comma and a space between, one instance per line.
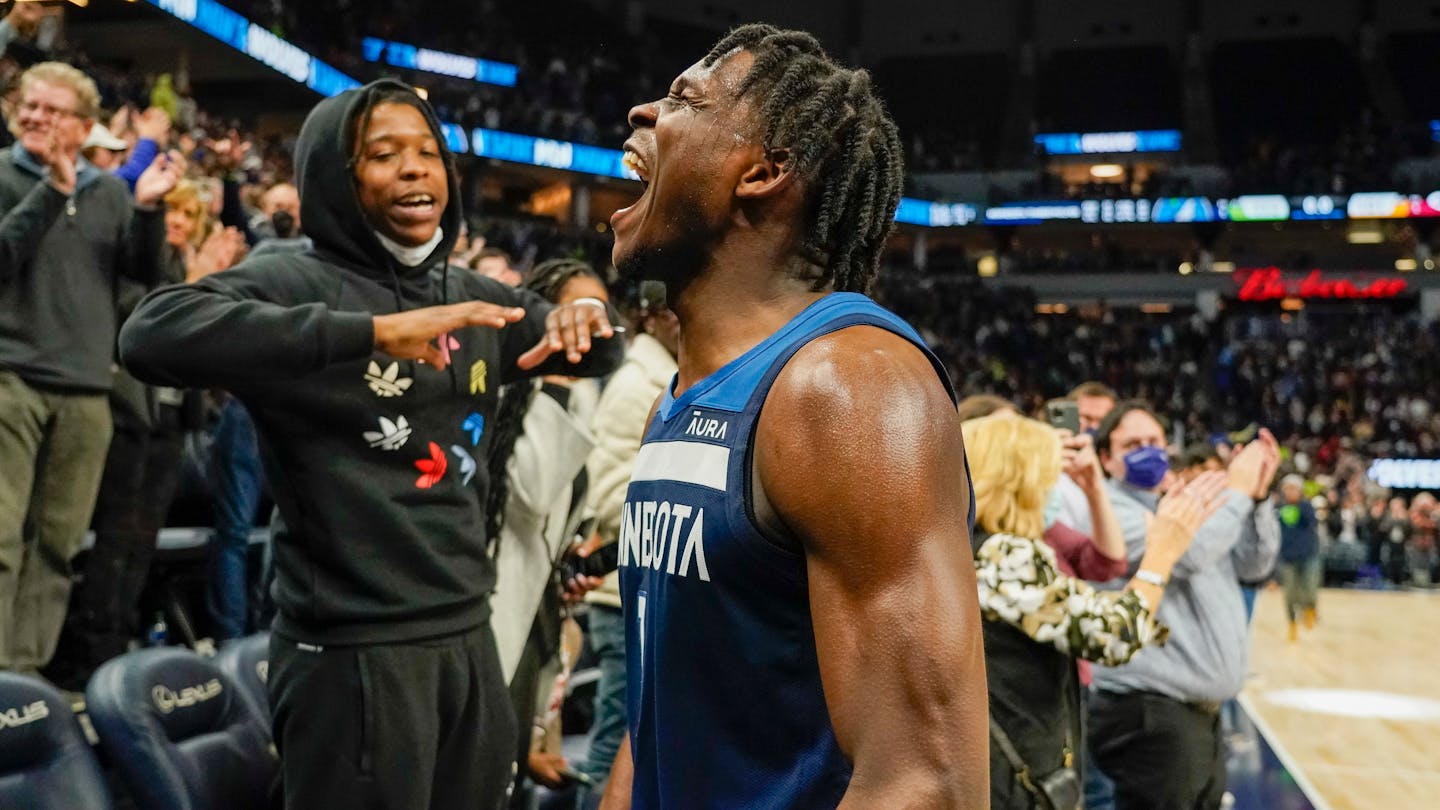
x=45, y=761
x=181, y=732
x=247, y=662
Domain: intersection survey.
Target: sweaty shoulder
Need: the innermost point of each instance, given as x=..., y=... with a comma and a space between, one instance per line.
x=858, y=438
x=860, y=370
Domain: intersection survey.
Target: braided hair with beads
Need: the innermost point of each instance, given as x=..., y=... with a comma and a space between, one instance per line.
x=547, y=279
x=841, y=142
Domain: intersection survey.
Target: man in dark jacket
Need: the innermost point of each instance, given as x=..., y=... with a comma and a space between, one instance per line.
x=1299, y=567
x=68, y=232
x=372, y=399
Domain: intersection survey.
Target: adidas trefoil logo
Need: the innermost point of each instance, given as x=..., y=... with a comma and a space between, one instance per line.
x=391, y=436
x=477, y=377
x=431, y=469
x=467, y=463
x=475, y=426
x=388, y=383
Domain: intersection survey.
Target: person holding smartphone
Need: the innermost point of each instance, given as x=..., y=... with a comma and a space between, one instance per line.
x=1040, y=618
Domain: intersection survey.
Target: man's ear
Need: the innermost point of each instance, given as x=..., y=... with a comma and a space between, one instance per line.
x=768, y=176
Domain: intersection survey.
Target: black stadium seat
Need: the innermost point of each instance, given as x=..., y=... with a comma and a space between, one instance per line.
x=45, y=763
x=180, y=732
x=247, y=662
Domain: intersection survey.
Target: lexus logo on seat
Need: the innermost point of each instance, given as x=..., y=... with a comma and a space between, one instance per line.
x=166, y=700
x=18, y=716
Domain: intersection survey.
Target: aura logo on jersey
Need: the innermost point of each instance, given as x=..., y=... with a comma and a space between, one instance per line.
x=651, y=535
x=705, y=428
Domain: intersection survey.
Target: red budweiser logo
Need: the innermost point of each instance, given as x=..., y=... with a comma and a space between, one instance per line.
x=1269, y=284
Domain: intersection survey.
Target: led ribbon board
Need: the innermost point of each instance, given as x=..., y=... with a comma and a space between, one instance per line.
x=1108, y=143
x=259, y=44
x=1406, y=473
x=411, y=57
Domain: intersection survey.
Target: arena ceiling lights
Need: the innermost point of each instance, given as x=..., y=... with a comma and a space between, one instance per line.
x=235, y=30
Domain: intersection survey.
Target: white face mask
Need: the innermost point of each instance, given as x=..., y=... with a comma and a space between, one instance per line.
x=411, y=256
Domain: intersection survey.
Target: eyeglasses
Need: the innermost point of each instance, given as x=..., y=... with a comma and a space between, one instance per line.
x=33, y=108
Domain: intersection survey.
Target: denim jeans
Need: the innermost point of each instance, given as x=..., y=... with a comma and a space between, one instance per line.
x=607, y=637
x=238, y=484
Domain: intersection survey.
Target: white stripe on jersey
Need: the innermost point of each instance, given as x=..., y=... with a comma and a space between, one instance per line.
x=696, y=463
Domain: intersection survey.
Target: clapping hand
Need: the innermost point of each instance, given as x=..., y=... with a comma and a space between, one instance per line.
x=229, y=151
x=160, y=178
x=1182, y=512
x=60, y=160
x=220, y=251
x=1253, y=467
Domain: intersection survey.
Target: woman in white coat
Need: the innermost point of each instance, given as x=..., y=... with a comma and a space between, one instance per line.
x=537, y=461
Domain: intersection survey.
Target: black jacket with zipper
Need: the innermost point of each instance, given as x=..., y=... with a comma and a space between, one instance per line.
x=371, y=459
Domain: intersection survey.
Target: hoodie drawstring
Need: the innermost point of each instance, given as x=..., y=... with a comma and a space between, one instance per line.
x=444, y=300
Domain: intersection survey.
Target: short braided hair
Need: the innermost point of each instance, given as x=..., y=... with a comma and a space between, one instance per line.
x=842, y=143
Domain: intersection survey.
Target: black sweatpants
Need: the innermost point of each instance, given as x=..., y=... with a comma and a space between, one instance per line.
x=1161, y=753
x=423, y=725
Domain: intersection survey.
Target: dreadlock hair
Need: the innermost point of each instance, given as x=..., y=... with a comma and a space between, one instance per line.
x=390, y=94
x=546, y=279
x=841, y=142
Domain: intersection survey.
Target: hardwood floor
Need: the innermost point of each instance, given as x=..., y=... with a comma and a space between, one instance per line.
x=1354, y=705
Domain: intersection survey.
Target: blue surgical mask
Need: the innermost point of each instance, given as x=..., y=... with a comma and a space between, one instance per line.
x=1145, y=468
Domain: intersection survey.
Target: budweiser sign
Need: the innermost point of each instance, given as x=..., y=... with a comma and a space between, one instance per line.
x=1269, y=284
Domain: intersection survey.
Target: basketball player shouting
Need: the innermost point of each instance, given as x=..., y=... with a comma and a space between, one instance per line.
x=801, y=619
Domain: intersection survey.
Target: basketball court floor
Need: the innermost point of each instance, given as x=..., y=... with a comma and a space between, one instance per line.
x=1348, y=717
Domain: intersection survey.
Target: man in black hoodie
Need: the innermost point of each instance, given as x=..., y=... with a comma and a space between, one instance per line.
x=372, y=398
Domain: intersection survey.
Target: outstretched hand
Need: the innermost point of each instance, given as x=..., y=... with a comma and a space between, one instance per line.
x=568, y=328
x=420, y=334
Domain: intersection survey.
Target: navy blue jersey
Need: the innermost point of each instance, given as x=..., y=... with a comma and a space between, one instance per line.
x=725, y=703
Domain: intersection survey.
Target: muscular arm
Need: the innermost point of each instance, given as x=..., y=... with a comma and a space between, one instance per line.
x=860, y=453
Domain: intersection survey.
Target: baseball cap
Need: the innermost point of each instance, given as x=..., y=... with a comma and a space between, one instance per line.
x=101, y=137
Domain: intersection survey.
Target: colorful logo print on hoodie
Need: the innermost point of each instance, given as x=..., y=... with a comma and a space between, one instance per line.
x=431, y=469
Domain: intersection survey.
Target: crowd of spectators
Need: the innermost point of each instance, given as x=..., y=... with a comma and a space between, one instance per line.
x=1320, y=381
x=1362, y=157
x=1344, y=385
